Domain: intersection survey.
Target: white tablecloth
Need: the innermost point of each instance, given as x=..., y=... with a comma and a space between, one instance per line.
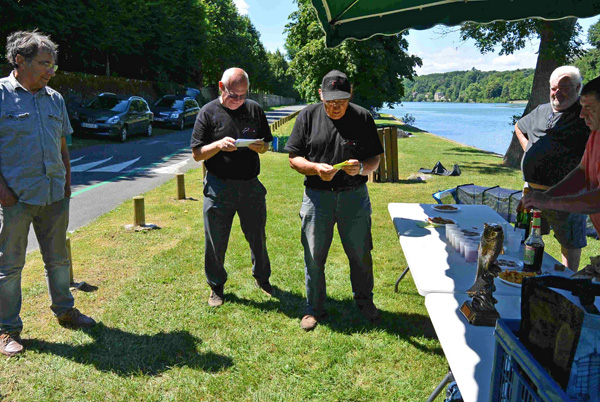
x=435, y=266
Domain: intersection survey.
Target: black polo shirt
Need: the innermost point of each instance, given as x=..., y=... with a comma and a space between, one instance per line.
x=556, y=142
x=320, y=139
x=215, y=122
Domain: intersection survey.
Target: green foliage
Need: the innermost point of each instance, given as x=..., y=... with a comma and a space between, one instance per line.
x=282, y=82
x=185, y=41
x=589, y=62
x=471, y=86
x=375, y=67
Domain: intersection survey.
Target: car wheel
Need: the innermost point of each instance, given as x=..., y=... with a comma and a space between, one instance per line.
x=123, y=134
x=182, y=124
x=149, y=130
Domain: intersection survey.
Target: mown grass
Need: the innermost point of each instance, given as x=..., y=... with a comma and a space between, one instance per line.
x=159, y=341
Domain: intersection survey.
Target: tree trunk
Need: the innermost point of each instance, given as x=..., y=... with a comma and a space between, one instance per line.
x=554, y=48
x=107, y=66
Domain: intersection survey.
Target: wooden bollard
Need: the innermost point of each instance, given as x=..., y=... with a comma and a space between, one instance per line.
x=70, y=261
x=139, y=218
x=180, y=186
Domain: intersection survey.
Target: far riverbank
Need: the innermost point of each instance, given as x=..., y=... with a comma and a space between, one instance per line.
x=486, y=126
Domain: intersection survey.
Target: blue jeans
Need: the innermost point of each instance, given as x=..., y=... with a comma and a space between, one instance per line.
x=320, y=211
x=50, y=225
x=222, y=199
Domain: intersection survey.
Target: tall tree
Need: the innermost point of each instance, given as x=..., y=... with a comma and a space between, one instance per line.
x=558, y=45
x=376, y=67
x=589, y=63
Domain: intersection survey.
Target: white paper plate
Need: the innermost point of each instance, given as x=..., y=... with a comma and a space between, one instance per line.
x=516, y=285
x=442, y=208
x=510, y=263
x=244, y=142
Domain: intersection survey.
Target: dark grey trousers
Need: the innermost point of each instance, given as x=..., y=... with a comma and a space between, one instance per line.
x=222, y=200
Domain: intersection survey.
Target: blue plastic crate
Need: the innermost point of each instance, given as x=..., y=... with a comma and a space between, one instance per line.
x=516, y=375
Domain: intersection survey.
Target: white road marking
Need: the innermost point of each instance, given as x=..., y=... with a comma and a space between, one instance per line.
x=117, y=167
x=78, y=159
x=87, y=166
x=171, y=169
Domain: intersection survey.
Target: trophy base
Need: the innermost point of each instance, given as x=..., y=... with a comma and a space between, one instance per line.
x=479, y=318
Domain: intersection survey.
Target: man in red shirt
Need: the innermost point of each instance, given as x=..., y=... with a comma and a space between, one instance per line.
x=567, y=195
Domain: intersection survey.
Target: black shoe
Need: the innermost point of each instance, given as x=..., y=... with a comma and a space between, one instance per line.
x=370, y=312
x=265, y=287
x=216, y=297
x=74, y=319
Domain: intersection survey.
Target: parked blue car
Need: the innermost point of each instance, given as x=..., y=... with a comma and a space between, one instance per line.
x=177, y=111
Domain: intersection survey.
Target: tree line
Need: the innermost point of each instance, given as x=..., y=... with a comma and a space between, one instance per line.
x=470, y=86
x=189, y=42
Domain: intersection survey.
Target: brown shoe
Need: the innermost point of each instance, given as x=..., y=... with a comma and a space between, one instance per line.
x=265, y=287
x=216, y=297
x=75, y=319
x=370, y=312
x=10, y=344
x=308, y=322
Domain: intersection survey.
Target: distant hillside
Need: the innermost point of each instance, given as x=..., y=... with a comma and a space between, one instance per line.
x=470, y=86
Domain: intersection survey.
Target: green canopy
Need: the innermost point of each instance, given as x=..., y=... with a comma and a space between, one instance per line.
x=361, y=19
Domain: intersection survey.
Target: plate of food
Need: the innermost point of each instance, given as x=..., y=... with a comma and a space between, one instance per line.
x=506, y=263
x=514, y=278
x=446, y=208
x=439, y=221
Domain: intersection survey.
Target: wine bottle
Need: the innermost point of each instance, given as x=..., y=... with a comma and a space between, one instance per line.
x=534, y=245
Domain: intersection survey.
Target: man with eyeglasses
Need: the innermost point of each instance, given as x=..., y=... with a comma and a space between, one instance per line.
x=229, y=134
x=553, y=137
x=35, y=183
x=579, y=191
x=335, y=145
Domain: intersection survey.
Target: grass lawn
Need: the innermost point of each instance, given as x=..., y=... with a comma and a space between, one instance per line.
x=159, y=341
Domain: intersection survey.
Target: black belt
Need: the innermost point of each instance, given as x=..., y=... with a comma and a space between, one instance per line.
x=335, y=189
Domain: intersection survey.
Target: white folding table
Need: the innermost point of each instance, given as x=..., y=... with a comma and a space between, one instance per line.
x=435, y=266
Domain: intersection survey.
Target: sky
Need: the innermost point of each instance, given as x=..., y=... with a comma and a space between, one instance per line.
x=440, y=53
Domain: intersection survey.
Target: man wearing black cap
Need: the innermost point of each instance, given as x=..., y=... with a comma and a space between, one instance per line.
x=335, y=145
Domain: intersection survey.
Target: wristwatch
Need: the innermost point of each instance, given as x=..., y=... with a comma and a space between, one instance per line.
x=360, y=172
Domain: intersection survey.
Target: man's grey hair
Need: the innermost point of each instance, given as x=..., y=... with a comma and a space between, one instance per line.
x=571, y=71
x=226, y=78
x=28, y=44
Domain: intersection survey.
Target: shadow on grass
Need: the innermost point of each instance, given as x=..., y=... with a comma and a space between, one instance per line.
x=471, y=151
x=486, y=169
x=344, y=317
x=127, y=354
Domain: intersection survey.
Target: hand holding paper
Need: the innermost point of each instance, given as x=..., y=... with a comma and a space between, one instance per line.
x=342, y=164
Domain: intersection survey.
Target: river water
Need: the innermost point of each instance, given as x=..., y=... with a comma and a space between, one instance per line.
x=485, y=126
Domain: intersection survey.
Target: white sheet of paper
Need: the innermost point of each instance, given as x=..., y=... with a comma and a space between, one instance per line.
x=244, y=142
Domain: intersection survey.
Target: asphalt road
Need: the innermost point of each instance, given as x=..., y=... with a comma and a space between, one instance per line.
x=104, y=176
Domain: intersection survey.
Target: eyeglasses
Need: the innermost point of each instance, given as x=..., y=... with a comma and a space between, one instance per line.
x=562, y=88
x=235, y=96
x=48, y=66
x=338, y=102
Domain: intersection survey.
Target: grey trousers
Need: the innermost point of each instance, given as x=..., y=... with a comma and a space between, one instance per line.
x=222, y=200
x=320, y=212
x=50, y=225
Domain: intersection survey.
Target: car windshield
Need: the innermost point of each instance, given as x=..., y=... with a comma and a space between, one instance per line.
x=172, y=103
x=109, y=103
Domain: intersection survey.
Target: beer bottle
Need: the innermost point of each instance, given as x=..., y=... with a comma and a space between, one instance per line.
x=524, y=219
x=534, y=245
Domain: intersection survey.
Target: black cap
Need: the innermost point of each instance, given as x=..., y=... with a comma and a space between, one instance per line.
x=335, y=85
